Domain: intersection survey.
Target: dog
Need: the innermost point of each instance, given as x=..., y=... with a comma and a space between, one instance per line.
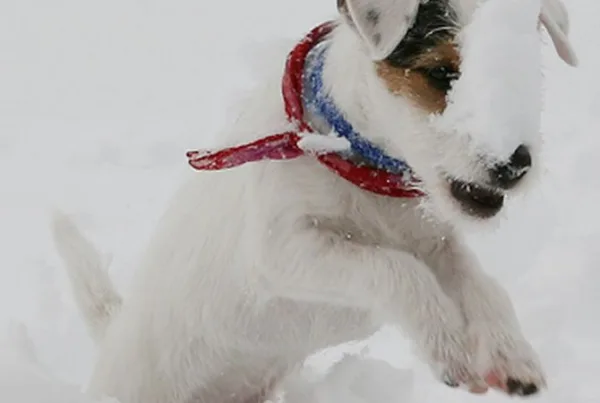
x=293, y=239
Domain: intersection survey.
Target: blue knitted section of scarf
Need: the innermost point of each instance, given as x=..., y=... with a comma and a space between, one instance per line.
x=319, y=103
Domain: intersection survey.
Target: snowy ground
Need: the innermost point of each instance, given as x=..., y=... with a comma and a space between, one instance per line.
x=100, y=100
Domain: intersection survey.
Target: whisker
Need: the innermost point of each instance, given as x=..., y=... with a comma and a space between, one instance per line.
x=449, y=28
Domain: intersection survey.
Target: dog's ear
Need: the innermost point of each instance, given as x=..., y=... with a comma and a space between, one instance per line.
x=555, y=18
x=380, y=23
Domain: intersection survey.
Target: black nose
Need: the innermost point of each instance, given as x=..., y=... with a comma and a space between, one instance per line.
x=508, y=174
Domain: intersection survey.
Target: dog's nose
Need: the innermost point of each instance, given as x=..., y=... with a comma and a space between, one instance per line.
x=508, y=174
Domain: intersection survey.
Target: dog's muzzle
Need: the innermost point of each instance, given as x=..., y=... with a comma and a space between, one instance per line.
x=477, y=200
x=485, y=200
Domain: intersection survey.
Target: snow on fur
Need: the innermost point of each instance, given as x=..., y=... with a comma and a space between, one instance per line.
x=316, y=143
x=497, y=100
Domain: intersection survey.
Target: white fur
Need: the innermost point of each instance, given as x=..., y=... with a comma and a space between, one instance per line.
x=394, y=18
x=253, y=269
x=555, y=18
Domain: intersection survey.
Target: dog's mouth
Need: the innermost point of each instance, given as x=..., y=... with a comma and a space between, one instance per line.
x=475, y=199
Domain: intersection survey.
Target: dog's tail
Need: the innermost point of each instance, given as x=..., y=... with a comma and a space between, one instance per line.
x=94, y=292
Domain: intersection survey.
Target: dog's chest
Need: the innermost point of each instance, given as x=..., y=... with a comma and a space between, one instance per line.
x=385, y=222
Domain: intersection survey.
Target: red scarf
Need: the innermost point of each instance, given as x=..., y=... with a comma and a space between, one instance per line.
x=285, y=146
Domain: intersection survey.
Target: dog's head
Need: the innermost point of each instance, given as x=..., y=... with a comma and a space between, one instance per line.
x=456, y=90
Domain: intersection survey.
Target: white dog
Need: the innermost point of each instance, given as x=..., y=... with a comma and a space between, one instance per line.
x=256, y=267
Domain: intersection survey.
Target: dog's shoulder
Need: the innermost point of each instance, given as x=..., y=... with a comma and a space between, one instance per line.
x=303, y=191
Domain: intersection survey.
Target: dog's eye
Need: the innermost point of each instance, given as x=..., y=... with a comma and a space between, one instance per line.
x=441, y=77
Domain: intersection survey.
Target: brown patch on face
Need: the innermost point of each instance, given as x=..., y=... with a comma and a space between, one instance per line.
x=413, y=81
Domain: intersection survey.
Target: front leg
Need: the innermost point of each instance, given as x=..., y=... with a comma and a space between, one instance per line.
x=505, y=358
x=303, y=262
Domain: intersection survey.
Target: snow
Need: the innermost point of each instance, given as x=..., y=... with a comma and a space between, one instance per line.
x=353, y=379
x=24, y=379
x=99, y=102
x=317, y=143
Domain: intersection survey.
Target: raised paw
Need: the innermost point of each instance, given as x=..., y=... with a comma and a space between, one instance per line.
x=509, y=364
x=512, y=386
x=515, y=384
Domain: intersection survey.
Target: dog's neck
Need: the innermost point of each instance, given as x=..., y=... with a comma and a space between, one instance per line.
x=323, y=105
x=344, y=75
